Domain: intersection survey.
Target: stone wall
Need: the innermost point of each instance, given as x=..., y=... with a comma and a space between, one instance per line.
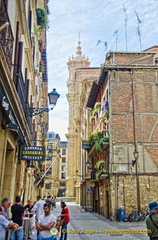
x=123, y=191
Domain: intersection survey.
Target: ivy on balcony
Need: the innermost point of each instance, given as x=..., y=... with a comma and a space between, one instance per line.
x=42, y=20
x=99, y=138
x=41, y=66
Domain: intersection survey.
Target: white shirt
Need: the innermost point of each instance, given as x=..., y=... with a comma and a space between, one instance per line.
x=38, y=208
x=3, y=224
x=45, y=220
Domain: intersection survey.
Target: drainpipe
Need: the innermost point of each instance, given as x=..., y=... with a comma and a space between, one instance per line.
x=135, y=142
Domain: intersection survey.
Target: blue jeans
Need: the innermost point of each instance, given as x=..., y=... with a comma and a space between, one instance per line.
x=156, y=238
x=17, y=235
x=64, y=231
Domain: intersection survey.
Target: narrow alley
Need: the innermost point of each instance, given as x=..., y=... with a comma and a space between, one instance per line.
x=91, y=226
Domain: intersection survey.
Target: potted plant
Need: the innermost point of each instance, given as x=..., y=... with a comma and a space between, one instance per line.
x=41, y=45
x=41, y=18
x=41, y=66
x=95, y=112
x=43, y=123
x=91, y=119
x=97, y=105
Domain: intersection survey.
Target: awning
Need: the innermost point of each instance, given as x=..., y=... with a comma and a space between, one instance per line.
x=93, y=95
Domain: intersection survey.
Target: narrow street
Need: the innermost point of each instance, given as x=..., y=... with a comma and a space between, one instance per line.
x=84, y=221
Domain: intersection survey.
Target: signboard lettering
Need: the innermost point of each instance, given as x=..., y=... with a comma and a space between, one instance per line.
x=32, y=153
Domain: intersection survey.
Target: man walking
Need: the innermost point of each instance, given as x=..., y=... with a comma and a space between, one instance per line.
x=45, y=223
x=152, y=221
x=17, y=211
x=65, y=217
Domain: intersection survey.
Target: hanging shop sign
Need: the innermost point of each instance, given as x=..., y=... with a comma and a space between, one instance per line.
x=85, y=145
x=32, y=153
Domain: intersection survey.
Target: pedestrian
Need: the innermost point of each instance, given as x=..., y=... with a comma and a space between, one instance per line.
x=152, y=221
x=45, y=223
x=17, y=211
x=54, y=201
x=4, y=223
x=38, y=207
x=65, y=220
x=29, y=223
x=6, y=203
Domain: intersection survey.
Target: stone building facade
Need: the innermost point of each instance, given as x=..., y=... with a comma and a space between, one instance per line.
x=23, y=85
x=81, y=76
x=63, y=169
x=51, y=165
x=128, y=86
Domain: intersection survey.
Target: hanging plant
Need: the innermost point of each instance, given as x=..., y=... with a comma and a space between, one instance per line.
x=41, y=18
x=38, y=32
x=95, y=112
x=41, y=45
x=41, y=66
x=91, y=119
x=97, y=105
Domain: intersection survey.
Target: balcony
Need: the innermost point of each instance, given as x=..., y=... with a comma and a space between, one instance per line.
x=19, y=84
x=6, y=35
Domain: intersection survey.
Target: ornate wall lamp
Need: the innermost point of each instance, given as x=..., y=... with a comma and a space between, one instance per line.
x=53, y=97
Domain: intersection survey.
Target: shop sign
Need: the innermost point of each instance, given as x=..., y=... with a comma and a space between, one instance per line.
x=85, y=145
x=32, y=153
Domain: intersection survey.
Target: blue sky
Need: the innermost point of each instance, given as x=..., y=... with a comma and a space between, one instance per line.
x=95, y=20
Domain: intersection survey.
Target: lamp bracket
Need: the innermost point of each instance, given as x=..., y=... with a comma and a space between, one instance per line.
x=36, y=111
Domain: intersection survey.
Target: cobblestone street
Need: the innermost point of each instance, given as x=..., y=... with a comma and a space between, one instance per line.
x=90, y=221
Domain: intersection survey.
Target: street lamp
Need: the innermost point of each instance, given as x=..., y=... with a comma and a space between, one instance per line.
x=136, y=155
x=53, y=97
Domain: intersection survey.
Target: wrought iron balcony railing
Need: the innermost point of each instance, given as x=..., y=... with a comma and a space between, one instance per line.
x=6, y=35
x=19, y=84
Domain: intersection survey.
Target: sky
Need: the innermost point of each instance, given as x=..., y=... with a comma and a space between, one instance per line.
x=95, y=20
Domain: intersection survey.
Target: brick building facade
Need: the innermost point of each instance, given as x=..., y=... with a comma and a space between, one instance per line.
x=128, y=82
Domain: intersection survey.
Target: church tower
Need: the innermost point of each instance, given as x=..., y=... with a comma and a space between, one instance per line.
x=74, y=84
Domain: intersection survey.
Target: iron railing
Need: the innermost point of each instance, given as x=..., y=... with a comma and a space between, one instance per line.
x=6, y=35
x=19, y=84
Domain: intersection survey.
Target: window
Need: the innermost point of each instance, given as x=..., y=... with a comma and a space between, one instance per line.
x=49, y=147
x=63, y=176
x=48, y=158
x=49, y=172
x=63, y=160
x=63, y=184
x=63, y=168
x=47, y=185
x=63, y=151
x=50, y=135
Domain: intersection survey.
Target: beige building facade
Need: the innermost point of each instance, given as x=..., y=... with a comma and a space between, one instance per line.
x=23, y=86
x=81, y=76
x=51, y=165
x=63, y=169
